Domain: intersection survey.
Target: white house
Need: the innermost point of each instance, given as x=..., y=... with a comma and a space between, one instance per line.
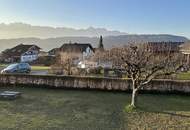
x=88, y=53
x=21, y=53
x=82, y=50
x=29, y=56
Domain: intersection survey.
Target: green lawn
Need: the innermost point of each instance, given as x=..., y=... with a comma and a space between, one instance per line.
x=3, y=65
x=184, y=76
x=40, y=68
x=35, y=68
x=48, y=109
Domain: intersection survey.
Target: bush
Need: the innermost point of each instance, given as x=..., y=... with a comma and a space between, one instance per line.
x=130, y=109
x=95, y=70
x=75, y=71
x=56, y=70
x=45, y=60
x=59, y=70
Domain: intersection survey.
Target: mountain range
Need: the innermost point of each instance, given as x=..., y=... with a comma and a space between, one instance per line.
x=49, y=37
x=21, y=30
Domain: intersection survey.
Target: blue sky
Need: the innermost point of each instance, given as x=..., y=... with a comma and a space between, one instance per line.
x=132, y=16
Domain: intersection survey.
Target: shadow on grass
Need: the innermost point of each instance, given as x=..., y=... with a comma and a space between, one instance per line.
x=174, y=105
x=162, y=112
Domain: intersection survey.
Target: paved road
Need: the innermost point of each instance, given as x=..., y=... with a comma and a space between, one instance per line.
x=39, y=72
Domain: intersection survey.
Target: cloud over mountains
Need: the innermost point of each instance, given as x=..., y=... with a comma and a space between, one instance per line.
x=49, y=37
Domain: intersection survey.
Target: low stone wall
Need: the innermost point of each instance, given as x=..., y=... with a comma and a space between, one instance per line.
x=92, y=83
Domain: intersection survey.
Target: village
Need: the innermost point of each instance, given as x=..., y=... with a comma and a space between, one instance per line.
x=94, y=65
x=82, y=58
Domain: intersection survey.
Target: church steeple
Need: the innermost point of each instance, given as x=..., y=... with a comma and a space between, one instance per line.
x=101, y=45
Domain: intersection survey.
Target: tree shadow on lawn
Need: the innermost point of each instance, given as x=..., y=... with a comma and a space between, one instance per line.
x=174, y=105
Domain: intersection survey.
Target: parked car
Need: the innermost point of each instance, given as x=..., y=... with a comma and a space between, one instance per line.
x=17, y=68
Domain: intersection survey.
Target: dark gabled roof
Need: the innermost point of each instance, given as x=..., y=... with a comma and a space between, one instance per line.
x=75, y=47
x=19, y=50
x=53, y=50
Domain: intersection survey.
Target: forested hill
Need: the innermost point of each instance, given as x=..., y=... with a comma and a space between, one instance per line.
x=109, y=41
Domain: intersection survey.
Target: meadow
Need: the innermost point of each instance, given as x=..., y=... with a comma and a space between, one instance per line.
x=57, y=109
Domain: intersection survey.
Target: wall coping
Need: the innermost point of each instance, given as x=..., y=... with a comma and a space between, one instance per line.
x=88, y=77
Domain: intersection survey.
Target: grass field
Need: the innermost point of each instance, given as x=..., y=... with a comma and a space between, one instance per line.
x=41, y=68
x=184, y=76
x=47, y=109
x=3, y=65
x=34, y=68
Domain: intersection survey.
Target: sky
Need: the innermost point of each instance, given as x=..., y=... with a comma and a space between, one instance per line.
x=131, y=16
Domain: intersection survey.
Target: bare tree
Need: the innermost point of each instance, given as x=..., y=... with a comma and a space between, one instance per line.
x=142, y=64
x=66, y=61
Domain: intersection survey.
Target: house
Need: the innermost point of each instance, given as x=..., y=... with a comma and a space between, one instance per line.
x=43, y=54
x=185, y=50
x=82, y=50
x=53, y=52
x=21, y=53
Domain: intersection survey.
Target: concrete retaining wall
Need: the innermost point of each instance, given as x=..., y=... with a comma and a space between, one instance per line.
x=92, y=83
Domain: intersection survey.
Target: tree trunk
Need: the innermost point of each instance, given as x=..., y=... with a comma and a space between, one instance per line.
x=134, y=98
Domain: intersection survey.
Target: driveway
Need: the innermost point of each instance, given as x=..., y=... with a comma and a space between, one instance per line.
x=39, y=72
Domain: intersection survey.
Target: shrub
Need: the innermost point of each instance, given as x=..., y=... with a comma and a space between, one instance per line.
x=95, y=70
x=58, y=70
x=130, y=109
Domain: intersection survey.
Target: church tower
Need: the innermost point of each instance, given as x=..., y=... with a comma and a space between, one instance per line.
x=101, y=45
